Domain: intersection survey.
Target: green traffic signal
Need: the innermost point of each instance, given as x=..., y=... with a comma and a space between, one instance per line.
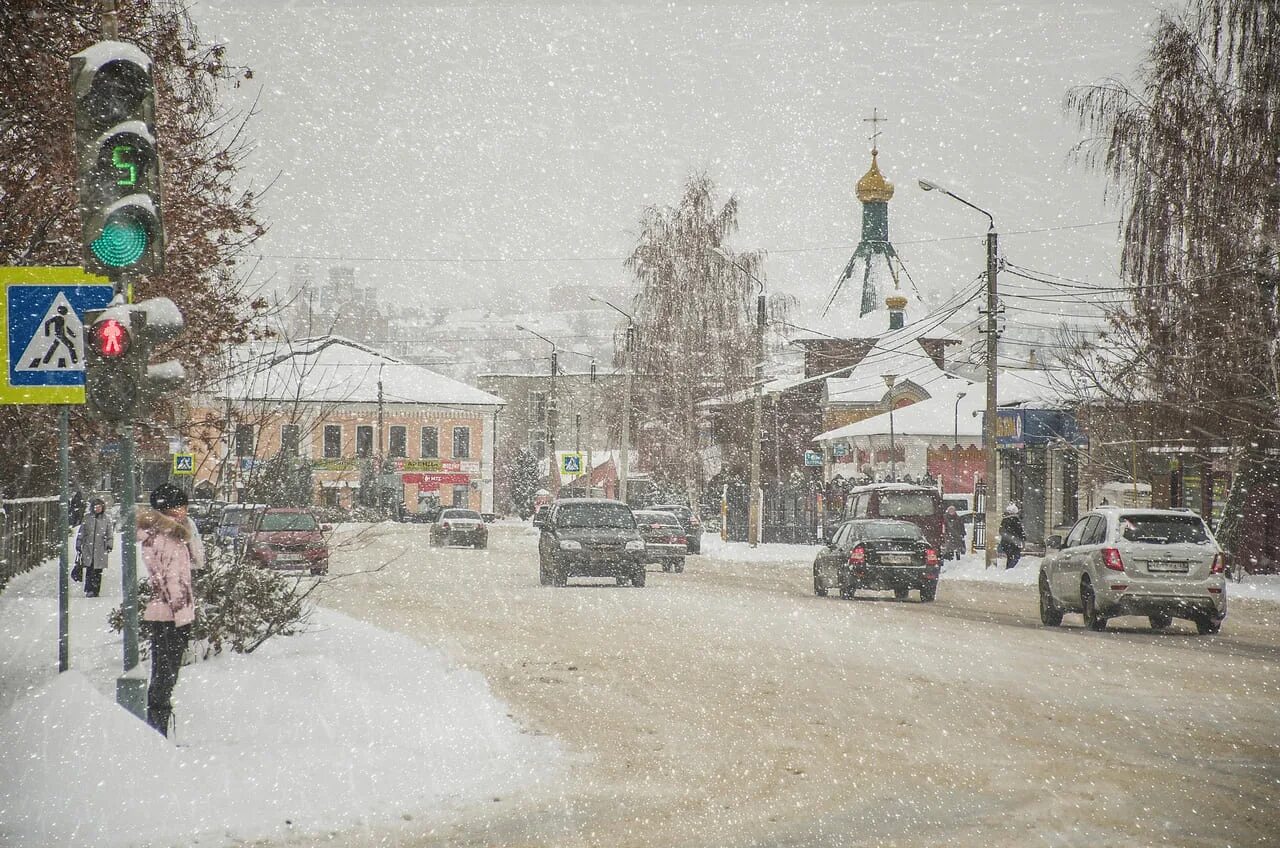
x=123, y=241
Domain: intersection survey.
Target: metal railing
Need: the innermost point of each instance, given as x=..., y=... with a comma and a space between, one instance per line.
x=29, y=534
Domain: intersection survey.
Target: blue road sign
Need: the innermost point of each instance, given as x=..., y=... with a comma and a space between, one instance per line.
x=812, y=458
x=184, y=463
x=43, y=326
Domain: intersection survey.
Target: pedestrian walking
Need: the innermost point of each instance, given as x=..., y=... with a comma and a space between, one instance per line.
x=164, y=534
x=94, y=542
x=953, y=543
x=1012, y=536
x=75, y=509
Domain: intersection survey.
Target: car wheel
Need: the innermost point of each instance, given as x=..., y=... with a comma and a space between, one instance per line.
x=559, y=578
x=818, y=588
x=666, y=566
x=1093, y=619
x=637, y=579
x=680, y=566
x=1207, y=626
x=696, y=547
x=928, y=592
x=847, y=592
x=621, y=581
x=1160, y=622
x=319, y=572
x=901, y=593
x=1050, y=612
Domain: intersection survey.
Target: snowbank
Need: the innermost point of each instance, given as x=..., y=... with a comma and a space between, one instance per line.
x=344, y=726
x=771, y=554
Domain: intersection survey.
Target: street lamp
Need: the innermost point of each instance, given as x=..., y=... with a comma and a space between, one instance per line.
x=753, y=491
x=956, y=437
x=552, y=411
x=889, y=380
x=989, y=421
x=629, y=344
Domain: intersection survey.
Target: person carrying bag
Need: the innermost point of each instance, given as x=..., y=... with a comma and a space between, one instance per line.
x=93, y=545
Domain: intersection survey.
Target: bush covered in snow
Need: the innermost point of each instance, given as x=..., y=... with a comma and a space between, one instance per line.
x=238, y=606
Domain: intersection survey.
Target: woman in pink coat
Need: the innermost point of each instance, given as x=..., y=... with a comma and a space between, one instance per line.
x=164, y=534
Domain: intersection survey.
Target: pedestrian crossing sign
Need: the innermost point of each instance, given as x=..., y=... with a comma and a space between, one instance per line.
x=42, y=322
x=184, y=464
x=571, y=463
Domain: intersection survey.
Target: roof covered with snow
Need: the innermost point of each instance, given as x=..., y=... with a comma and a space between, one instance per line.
x=337, y=370
x=937, y=416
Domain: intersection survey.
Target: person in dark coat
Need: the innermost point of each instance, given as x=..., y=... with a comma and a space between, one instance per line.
x=1012, y=536
x=93, y=544
x=953, y=533
x=75, y=509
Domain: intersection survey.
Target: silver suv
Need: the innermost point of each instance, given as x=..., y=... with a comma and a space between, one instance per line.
x=1160, y=563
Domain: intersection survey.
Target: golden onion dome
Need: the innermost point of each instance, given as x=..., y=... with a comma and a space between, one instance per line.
x=873, y=186
x=895, y=301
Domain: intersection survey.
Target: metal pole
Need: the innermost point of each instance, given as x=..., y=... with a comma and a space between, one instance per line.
x=591, y=428
x=553, y=416
x=624, y=450
x=131, y=687
x=64, y=587
x=989, y=422
x=893, y=448
x=753, y=490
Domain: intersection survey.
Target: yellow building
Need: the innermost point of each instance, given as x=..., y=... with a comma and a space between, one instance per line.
x=351, y=416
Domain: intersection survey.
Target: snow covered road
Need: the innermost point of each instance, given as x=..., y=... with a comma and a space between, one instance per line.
x=729, y=706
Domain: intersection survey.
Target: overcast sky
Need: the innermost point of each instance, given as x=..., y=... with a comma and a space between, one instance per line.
x=404, y=134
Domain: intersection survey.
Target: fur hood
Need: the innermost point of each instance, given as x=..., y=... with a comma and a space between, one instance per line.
x=155, y=521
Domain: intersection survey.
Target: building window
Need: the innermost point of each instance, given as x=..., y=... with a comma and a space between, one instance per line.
x=290, y=437
x=244, y=440
x=364, y=441
x=332, y=441
x=538, y=407
x=538, y=443
x=460, y=494
x=461, y=442
x=430, y=447
x=396, y=442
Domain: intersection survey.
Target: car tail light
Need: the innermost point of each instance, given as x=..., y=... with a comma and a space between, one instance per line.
x=858, y=556
x=680, y=540
x=1219, y=564
x=1111, y=559
x=930, y=557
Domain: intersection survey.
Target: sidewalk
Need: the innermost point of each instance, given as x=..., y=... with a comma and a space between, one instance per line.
x=341, y=727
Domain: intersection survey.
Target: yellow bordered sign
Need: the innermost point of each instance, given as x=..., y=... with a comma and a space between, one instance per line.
x=42, y=332
x=184, y=464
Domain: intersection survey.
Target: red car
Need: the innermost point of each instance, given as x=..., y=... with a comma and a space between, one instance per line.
x=287, y=539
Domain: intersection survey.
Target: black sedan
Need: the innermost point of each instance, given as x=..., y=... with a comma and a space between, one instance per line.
x=877, y=554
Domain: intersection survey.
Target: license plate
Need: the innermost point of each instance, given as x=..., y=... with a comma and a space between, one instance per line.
x=289, y=558
x=896, y=559
x=1169, y=567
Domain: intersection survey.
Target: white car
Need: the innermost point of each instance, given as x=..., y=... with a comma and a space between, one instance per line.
x=1161, y=563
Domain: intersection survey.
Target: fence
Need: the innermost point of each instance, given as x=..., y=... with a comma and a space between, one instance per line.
x=29, y=534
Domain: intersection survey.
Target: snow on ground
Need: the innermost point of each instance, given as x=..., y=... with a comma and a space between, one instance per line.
x=772, y=554
x=343, y=726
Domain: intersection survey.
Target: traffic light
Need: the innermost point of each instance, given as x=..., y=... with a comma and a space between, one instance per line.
x=117, y=164
x=119, y=380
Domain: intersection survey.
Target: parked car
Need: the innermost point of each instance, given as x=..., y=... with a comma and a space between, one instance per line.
x=921, y=505
x=590, y=537
x=692, y=526
x=460, y=527
x=288, y=539
x=230, y=522
x=664, y=539
x=1161, y=563
x=877, y=554
x=206, y=515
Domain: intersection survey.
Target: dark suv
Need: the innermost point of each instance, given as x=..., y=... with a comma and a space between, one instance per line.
x=587, y=537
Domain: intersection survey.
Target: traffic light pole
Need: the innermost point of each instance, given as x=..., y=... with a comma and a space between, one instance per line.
x=131, y=687
x=64, y=586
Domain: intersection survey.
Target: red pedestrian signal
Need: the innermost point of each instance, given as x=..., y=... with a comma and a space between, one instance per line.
x=110, y=338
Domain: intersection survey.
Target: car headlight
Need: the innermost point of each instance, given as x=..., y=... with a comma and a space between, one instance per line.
x=570, y=545
x=635, y=545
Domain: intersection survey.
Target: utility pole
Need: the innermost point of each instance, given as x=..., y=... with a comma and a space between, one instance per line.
x=992, y=519
x=377, y=476
x=553, y=417
x=624, y=450
x=753, y=492
x=991, y=515
x=591, y=429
